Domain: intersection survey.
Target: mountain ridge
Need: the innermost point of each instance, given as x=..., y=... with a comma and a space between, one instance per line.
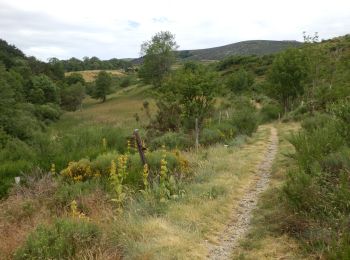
x=250, y=47
x=243, y=48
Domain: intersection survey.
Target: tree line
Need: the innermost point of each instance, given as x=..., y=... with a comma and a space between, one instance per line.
x=93, y=63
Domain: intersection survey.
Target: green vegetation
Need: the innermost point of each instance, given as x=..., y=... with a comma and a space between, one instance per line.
x=85, y=192
x=317, y=192
x=158, y=56
x=94, y=63
x=102, y=86
x=244, y=48
x=60, y=241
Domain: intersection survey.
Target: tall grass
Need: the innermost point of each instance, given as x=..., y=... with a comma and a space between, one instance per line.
x=58, y=148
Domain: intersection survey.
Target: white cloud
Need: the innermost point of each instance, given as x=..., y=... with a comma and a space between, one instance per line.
x=109, y=28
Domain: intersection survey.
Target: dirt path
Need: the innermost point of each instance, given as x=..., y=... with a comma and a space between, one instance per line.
x=241, y=215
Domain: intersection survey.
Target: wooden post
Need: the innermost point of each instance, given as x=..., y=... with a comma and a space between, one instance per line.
x=139, y=146
x=220, y=118
x=197, y=135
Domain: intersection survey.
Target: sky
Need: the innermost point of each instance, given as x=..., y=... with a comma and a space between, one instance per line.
x=116, y=29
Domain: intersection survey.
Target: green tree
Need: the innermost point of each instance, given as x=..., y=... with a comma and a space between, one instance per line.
x=158, y=56
x=42, y=90
x=57, y=68
x=194, y=88
x=285, y=79
x=7, y=96
x=72, y=96
x=75, y=78
x=102, y=85
x=240, y=81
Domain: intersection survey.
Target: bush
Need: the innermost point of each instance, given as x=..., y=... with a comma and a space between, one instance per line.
x=270, y=112
x=240, y=81
x=67, y=192
x=48, y=112
x=78, y=171
x=226, y=129
x=125, y=82
x=8, y=171
x=317, y=193
x=16, y=149
x=245, y=120
x=342, y=111
x=210, y=136
x=102, y=163
x=312, y=147
x=176, y=165
x=317, y=121
x=62, y=240
x=336, y=162
x=171, y=140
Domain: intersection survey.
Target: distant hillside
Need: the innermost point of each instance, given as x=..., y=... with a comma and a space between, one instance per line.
x=257, y=47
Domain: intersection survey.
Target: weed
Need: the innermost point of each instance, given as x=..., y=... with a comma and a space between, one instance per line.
x=62, y=240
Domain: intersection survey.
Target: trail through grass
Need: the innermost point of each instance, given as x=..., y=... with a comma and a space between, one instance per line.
x=265, y=239
x=241, y=216
x=183, y=228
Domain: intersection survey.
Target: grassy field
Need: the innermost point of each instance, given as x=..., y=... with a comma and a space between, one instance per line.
x=90, y=75
x=119, y=110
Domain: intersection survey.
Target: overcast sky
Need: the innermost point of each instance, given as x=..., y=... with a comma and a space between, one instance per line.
x=112, y=28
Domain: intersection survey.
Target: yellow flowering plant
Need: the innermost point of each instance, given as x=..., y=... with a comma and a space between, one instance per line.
x=78, y=171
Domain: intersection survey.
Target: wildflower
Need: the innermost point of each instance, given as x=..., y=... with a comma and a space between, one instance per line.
x=53, y=169
x=145, y=176
x=104, y=143
x=128, y=147
x=116, y=179
x=75, y=212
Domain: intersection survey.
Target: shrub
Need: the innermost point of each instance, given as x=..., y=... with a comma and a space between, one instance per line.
x=240, y=81
x=270, y=112
x=67, y=192
x=125, y=82
x=9, y=170
x=102, y=163
x=317, y=121
x=49, y=112
x=177, y=166
x=78, y=171
x=312, y=147
x=171, y=140
x=62, y=240
x=245, y=120
x=342, y=111
x=226, y=129
x=210, y=136
x=336, y=162
x=317, y=193
x=16, y=149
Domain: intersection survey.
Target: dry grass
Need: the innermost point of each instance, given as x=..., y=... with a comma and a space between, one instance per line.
x=22, y=212
x=223, y=176
x=29, y=206
x=265, y=239
x=90, y=75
